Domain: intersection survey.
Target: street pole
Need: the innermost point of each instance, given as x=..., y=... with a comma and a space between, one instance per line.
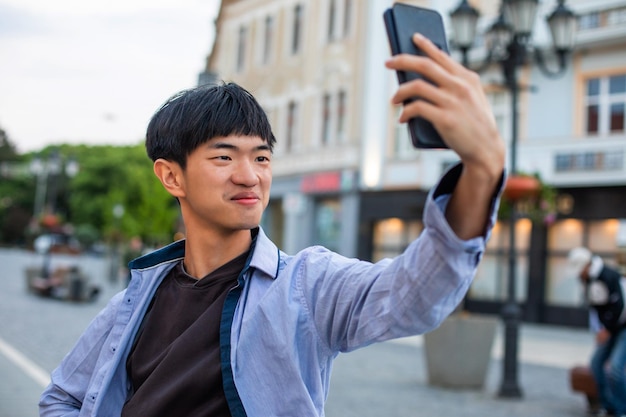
x=513, y=31
x=511, y=312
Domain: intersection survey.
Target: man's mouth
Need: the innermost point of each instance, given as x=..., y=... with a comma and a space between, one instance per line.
x=246, y=198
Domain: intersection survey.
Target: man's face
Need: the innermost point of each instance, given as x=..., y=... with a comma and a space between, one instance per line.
x=227, y=183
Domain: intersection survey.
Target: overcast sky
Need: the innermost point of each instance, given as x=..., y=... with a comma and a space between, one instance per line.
x=94, y=71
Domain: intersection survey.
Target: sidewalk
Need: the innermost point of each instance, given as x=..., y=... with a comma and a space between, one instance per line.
x=554, y=346
x=390, y=379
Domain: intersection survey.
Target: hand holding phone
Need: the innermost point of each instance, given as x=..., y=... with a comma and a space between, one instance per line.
x=401, y=22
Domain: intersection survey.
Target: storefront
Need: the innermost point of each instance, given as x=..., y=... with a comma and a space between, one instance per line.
x=314, y=209
x=593, y=217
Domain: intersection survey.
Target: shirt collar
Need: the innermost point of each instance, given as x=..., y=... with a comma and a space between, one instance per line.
x=265, y=256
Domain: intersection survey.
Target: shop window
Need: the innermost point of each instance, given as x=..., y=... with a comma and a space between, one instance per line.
x=328, y=224
x=393, y=235
x=600, y=236
x=491, y=281
x=273, y=221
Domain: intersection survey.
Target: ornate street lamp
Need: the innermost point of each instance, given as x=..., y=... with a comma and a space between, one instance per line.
x=509, y=45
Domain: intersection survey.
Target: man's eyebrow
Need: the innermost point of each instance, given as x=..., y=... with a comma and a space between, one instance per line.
x=225, y=145
x=222, y=145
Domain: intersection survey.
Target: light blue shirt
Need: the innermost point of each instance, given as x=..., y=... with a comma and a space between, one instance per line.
x=293, y=316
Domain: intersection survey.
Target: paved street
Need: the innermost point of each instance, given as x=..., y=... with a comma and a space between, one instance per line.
x=387, y=379
x=39, y=330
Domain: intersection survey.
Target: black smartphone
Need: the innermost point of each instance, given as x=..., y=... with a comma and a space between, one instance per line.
x=402, y=21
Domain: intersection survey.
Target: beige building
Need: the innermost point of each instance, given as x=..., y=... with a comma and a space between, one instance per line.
x=346, y=176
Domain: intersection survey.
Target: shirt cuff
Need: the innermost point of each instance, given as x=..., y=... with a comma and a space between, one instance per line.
x=441, y=197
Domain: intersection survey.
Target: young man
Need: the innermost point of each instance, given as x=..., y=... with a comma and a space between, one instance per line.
x=605, y=292
x=224, y=323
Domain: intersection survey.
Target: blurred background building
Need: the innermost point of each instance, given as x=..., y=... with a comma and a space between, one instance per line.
x=346, y=176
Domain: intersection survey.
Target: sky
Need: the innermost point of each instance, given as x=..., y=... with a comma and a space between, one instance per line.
x=94, y=71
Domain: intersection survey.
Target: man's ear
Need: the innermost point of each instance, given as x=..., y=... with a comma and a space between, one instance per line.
x=170, y=175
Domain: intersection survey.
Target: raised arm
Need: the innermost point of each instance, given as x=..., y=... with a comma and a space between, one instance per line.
x=460, y=111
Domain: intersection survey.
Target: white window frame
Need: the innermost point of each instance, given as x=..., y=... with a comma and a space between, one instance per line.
x=604, y=100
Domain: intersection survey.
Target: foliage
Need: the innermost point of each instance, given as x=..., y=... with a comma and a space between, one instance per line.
x=538, y=208
x=111, y=176
x=107, y=176
x=7, y=148
x=16, y=193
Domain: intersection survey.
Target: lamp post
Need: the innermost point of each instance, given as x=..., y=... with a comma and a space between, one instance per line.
x=47, y=172
x=509, y=46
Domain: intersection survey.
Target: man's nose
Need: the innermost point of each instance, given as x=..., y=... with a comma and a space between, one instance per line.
x=245, y=174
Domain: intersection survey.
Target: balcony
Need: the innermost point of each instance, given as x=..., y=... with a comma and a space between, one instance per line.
x=601, y=27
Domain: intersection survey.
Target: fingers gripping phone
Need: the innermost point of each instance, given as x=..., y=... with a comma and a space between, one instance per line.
x=401, y=22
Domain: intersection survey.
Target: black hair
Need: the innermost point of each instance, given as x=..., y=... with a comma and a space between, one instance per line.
x=194, y=116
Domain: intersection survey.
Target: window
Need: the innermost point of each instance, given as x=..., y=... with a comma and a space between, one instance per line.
x=347, y=17
x=589, y=161
x=341, y=116
x=339, y=19
x=600, y=236
x=501, y=108
x=403, y=147
x=491, y=280
x=592, y=118
x=617, y=117
x=393, y=235
x=332, y=12
x=241, y=48
x=333, y=118
x=326, y=119
x=292, y=122
x=297, y=29
x=328, y=223
x=589, y=21
x=616, y=17
x=605, y=105
x=268, y=39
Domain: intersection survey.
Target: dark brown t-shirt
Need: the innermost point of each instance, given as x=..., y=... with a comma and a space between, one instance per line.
x=174, y=366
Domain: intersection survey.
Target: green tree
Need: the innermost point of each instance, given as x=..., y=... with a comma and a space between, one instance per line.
x=16, y=193
x=111, y=176
x=7, y=148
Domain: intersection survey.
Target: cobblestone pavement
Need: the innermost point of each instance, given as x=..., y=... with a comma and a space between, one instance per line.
x=387, y=379
x=40, y=330
x=390, y=379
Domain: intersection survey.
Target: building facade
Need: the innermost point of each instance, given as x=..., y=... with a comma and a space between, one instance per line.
x=346, y=176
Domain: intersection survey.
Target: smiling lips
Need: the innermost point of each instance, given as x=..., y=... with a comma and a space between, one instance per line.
x=246, y=198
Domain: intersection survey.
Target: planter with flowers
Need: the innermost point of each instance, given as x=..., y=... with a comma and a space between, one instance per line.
x=532, y=198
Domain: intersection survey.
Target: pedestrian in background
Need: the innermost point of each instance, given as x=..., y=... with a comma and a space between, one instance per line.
x=223, y=323
x=605, y=293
